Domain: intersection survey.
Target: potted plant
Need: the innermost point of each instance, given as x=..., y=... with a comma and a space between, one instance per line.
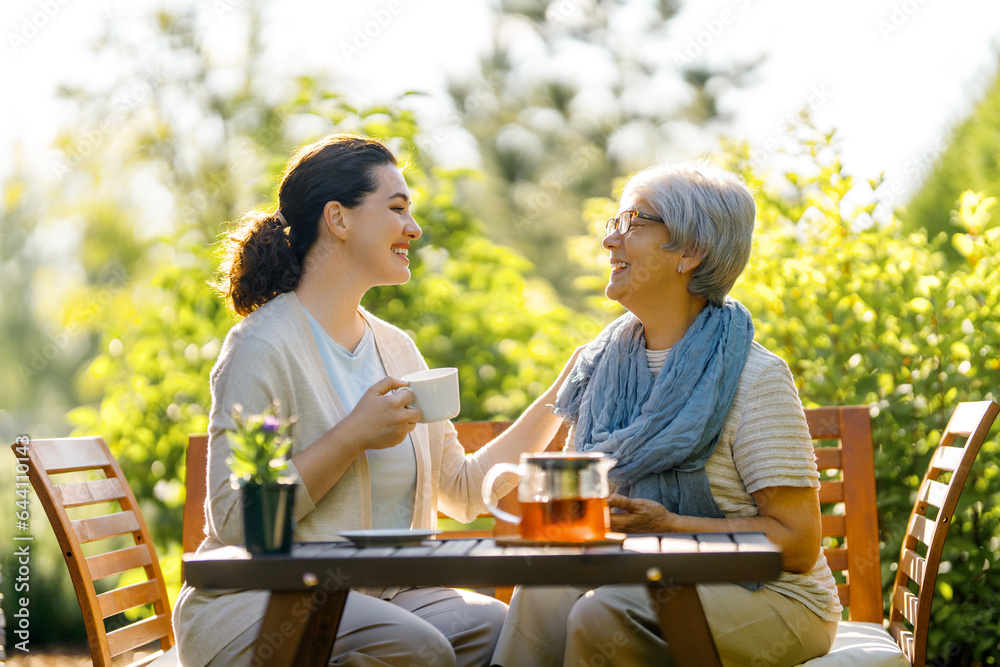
x=258, y=460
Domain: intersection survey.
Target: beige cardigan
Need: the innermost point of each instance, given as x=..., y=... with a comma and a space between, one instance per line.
x=273, y=354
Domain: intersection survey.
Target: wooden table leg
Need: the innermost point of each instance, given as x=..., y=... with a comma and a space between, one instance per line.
x=299, y=628
x=682, y=621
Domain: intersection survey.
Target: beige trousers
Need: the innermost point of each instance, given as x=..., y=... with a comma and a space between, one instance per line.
x=617, y=625
x=419, y=627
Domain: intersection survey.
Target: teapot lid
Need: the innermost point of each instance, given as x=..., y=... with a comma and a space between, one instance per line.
x=564, y=460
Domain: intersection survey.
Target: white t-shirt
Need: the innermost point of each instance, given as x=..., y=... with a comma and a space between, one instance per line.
x=393, y=470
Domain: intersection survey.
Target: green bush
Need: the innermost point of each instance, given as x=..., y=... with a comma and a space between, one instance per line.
x=961, y=159
x=867, y=315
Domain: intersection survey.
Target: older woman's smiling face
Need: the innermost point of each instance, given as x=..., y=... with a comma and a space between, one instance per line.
x=641, y=270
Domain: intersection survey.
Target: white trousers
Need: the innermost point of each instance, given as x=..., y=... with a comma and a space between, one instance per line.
x=617, y=625
x=419, y=627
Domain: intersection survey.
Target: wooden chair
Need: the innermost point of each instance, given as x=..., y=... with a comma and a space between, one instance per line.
x=99, y=559
x=909, y=617
x=846, y=461
x=863, y=640
x=195, y=478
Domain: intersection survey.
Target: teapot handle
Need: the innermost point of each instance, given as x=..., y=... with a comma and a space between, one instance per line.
x=487, y=490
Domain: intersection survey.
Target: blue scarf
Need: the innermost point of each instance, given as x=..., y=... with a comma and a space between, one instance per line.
x=662, y=430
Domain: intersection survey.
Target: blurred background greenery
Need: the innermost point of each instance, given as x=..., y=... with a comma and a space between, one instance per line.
x=108, y=324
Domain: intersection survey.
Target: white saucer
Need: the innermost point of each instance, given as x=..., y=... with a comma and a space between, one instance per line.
x=387, y=537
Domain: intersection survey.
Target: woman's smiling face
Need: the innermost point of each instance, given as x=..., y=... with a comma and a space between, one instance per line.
x=381, y=229
x=641, y=270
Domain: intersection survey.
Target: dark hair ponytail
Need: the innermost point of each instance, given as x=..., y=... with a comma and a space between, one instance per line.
x=264, y=253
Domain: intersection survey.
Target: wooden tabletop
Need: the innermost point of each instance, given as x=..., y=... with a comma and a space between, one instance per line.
x=676, y=559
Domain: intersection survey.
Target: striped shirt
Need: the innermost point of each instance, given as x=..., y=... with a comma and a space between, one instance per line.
x=765, y=442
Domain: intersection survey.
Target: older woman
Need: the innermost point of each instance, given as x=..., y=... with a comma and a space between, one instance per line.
x=708, y=431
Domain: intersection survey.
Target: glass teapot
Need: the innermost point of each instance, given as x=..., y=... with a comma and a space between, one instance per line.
x=563, y=495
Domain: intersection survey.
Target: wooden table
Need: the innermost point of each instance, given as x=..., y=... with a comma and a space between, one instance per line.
x=310, y=586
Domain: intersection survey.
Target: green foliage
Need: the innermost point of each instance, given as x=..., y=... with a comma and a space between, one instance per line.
x=862, y=313
x=42, y=343
x=866, y=314
x=967, y=161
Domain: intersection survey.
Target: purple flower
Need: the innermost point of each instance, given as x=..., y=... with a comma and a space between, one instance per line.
x=271, y=424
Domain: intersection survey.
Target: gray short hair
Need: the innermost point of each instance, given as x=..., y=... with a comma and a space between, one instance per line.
x=708, y=211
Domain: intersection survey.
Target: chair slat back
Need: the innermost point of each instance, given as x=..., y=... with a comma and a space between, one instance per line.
x=847, y=494
x=909, y=617
x=139, y=633
x=53, y=456
x=46, y=458
x=102, y=527
x=88, y=493
x=195, y=479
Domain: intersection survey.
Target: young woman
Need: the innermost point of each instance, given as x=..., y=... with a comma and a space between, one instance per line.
x=360, y=457
x=708, y=432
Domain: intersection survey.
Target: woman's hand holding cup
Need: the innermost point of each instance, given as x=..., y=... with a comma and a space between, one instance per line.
x=383, y=418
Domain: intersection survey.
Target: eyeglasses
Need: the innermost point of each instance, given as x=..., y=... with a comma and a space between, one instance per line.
x=624, y=221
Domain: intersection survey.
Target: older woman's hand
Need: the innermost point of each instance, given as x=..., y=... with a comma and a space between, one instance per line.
x=641, y=515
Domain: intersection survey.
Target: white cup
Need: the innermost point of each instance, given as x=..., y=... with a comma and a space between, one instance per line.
x=435, y=393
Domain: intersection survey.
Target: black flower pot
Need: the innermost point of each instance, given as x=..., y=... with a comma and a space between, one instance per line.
x=267, y=517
